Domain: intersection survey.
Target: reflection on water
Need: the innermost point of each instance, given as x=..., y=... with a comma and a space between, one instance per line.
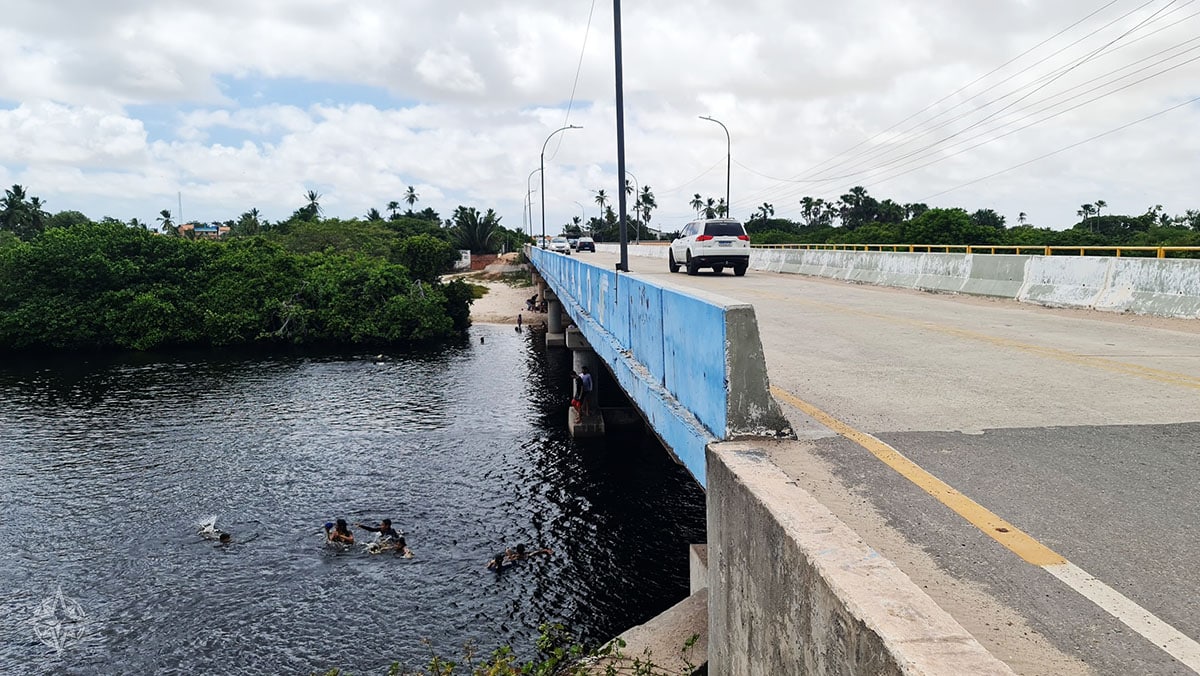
x=107, y=466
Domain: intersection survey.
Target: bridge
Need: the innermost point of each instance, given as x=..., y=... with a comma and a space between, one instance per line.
x=941, y=483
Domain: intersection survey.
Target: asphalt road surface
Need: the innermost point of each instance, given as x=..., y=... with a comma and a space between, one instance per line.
x=1079, y=430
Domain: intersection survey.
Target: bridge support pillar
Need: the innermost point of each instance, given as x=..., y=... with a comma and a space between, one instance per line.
x=554, y=321
x=592, y=424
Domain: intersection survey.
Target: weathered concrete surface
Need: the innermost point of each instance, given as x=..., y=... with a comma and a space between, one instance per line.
x=664, y=639
x=589, y=426
x=1079, y=427
x=792, y=590
x=1160, y=287
x=697, y=568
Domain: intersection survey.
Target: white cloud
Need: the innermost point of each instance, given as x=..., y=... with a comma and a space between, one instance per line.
x=451, y=70
x=478, y=86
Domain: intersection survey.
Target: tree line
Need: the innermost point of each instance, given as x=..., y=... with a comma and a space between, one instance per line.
x=67, y=282
x=859, y=218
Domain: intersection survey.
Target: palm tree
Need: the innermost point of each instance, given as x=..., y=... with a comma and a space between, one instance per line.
x=601, y=198
x=646, y=199
x=393, y=207
x=249, y=223
x=14, y=211
x=314, y=202
x=411, y=196
x=697, y=203
x=37, y=211
x=1022, y=218
x=1100, y=204
x=722, y=208
x=168, y=226
x=765, y=211
x=710, y=208
x=475, y=232
x=374, y=215
x=1085, y=210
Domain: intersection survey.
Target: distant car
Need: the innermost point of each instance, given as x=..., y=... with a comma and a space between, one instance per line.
x=714, y=243
x=586, y=244
x=560, y=245
x=573, y=241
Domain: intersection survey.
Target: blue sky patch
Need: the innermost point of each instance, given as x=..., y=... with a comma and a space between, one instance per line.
x=254, y=91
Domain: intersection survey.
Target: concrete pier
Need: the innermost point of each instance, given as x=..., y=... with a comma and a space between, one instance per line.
x=554, y=320
x=582, y=356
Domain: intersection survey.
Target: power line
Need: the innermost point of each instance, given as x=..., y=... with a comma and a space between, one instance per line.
x=857, y=165
x=1066, y=148
x=1045, y=83
x=931, y=149
x=975, y=81
x=1061, y=112
x=578, y=69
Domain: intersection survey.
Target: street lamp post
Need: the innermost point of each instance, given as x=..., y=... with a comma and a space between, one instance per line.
x=637, y=237
x=543, y=170
x=728, y=162
x=529, y=201
x=528, y=192
x=582, y=216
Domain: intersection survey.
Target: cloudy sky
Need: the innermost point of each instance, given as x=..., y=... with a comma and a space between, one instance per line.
x=117, y=107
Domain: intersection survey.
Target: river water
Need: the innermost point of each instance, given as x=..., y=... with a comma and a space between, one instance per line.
x=109, y=465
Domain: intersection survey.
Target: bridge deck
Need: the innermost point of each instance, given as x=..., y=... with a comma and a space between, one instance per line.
x=1077, y=429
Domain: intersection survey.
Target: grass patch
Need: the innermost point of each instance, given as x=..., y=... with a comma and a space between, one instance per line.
x=519, y=279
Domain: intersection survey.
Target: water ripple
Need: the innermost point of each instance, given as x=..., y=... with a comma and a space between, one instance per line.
x=108, y=465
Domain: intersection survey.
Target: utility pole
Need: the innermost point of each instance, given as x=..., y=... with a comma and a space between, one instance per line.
x=624, y=264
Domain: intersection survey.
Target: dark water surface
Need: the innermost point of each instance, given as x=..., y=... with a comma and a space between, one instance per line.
x=107, y=466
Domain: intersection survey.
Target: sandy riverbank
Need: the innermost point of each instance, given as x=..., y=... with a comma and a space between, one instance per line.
x=503, y=302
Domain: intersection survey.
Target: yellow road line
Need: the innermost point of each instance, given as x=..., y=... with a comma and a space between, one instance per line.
x=1002, y=531
x=1110, y=365
x=1162, y=635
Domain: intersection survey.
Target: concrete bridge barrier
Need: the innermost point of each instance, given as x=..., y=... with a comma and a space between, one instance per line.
x=1152, y=286
x=792, y=590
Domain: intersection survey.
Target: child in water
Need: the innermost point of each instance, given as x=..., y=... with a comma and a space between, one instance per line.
x=338, y=533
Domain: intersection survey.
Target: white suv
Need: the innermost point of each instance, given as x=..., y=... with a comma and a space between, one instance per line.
x=714, y=243
x=561, y=245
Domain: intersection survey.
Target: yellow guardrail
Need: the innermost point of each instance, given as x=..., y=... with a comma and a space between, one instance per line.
x=1159, y=251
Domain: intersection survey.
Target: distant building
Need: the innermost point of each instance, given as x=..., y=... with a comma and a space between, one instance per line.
x=204, y=230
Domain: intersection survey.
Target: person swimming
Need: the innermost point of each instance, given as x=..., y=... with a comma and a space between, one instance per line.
x=385, y=530
x=389, y=539
x=338, y=533
x=521, y=554
x=209, y=531
x=500, y=561
x=399, y=546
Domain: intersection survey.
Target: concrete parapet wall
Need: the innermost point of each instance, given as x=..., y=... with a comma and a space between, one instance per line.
x=1170, y=288
x=692, y=362
x=792, y=590
x=1152, y=286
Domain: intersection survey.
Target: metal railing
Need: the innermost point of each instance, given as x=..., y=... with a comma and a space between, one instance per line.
x=1159, y=251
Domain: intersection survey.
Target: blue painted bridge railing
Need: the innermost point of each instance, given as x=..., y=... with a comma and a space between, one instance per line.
x=692, y=362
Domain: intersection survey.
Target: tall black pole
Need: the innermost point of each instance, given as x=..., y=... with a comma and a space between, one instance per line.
x=728, y=163
x=624, y=264
x=542, y=168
